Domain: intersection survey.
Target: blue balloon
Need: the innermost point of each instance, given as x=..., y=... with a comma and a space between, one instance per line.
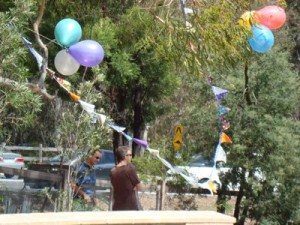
x=262, y=39
x=67, y=32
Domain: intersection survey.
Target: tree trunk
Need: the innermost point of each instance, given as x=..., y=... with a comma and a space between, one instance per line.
x=119, y=117
x=138, y=119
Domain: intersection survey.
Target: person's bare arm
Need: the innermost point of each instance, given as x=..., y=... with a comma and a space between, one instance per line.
x=139, y=187
x=78, y=190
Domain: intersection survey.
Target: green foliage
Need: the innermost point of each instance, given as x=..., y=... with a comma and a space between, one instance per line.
x=78, y=130
x=266, y=138
x=19, y=106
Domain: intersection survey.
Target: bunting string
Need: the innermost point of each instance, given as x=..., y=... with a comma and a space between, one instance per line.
x=90, y=109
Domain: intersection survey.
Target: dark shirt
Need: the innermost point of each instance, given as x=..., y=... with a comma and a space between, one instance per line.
x=123, y=180
x=86, y=179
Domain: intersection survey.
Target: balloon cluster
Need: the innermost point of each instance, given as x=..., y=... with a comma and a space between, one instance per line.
x=261, y=23
x=87, y=53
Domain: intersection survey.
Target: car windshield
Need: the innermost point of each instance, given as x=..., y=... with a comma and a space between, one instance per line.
x=200, y=161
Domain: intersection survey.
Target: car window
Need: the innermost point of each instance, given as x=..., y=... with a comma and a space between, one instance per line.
x=107, y=157
x=199, y=161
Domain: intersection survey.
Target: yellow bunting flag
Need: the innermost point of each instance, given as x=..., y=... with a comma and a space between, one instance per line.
x=212, y=186
x=248, y=19
x=225, y=139
x=74, y=96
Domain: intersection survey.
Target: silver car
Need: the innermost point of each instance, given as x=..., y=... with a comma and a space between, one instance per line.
x=11, y=160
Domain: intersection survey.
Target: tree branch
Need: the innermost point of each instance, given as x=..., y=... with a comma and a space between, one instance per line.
x=34, y=87
x=247, y=89
x=36, y=25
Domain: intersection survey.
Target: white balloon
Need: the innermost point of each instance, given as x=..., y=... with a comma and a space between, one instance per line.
x=65, y=63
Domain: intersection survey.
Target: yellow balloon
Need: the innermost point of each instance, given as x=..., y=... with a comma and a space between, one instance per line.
x=248, y=19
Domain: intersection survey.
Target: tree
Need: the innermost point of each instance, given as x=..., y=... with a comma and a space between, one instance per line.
x=19, y=104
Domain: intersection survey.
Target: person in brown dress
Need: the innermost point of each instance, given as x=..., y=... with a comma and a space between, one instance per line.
x=125, y=182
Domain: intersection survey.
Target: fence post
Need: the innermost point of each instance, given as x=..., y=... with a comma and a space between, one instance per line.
x=158, y=195
x=41, y=153
x=162, y=194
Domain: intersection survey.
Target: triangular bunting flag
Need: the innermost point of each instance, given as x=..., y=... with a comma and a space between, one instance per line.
x=127, y=137
x=219, y=92
x=166, y=163
x=89, y=108
x=223, y=110
x=225, y=139
x=220, y=154
x=100, y=117
x=63, y=83
x=225, y=124
x=115, y=127
x=153, y=151
x=212, y=186
x=188, y=11
x=37, y=56
x=74, y=96
x=140, y=142
x=191, y=180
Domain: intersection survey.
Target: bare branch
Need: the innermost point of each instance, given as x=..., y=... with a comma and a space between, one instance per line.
x=41, y=44
x=34, y=87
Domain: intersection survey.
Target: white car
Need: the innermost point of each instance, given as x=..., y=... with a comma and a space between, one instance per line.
x=11, y=160
x=201, y=170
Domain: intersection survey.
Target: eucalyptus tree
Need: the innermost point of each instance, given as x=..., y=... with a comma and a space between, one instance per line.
x=264, y=102
x=19, y=104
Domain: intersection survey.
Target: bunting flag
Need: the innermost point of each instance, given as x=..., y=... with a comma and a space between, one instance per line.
x=188, y=11
x=166, y=163
x=63, y=83
x=127, y=137
x=37, y=56
x=219, y=93
x=223, y=110
x=115, y=127
x=140, y=142
x=74, y=96
x=225, y=124
x=100, y=117
x=220, y=154
x=212, y=186
x=153, y=151
x=191, y=180
x=182, y=3
x=225, y=139
x=192, y=47
x=89, y=108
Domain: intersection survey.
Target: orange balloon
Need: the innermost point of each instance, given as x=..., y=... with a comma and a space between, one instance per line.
x=272, y=16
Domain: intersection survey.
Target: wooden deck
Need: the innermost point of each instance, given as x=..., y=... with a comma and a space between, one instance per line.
x=119, y=217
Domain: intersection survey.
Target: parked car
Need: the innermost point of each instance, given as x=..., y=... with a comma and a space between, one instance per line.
x=201, y=169
x=102, y=169
x=11, y=160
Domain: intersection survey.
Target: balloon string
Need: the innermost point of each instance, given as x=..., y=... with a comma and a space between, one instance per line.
x=50, y=40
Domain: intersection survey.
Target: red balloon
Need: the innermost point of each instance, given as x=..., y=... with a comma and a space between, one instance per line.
x=271, y=16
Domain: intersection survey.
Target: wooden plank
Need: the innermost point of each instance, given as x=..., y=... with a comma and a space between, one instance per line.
x=32, y=174
x=119, y=217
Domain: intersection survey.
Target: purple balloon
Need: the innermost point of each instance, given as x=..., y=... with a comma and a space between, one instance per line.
x=87, y=53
